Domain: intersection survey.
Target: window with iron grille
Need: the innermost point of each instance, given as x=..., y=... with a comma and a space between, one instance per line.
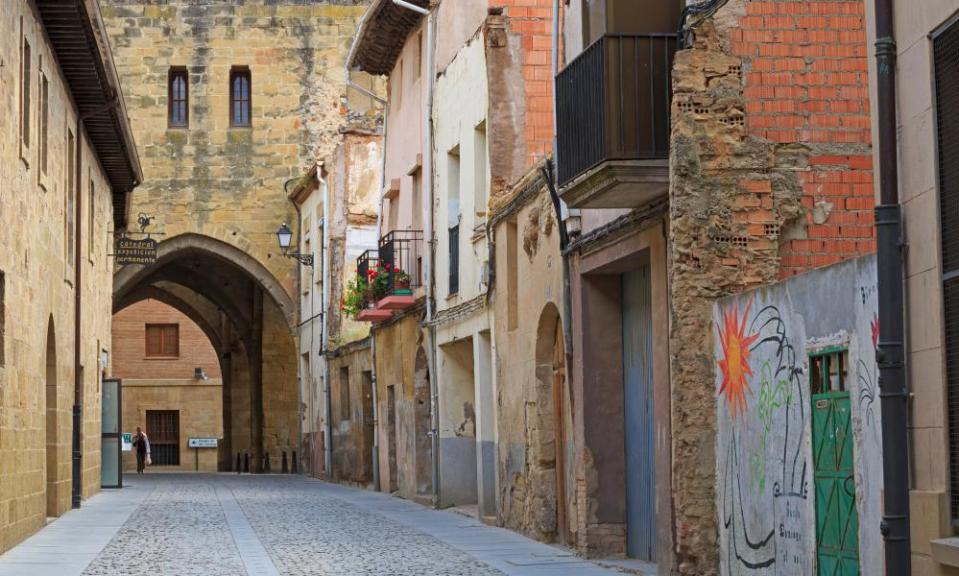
x=26, y=78
x=454, y=280
x=240, y=98
x=344, y=393
x=163, y=431
x=946, y=55
x=179, y=98
x=162, y=340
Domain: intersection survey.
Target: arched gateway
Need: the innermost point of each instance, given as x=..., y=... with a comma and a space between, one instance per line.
x=249, y=319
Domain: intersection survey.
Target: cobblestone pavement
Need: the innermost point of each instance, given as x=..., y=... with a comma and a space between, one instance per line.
x=181, y=530
x=228, y=525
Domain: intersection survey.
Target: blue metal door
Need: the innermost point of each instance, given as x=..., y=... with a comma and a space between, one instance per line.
x=638, y=398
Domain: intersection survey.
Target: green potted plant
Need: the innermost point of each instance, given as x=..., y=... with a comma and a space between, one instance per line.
x=401, y=283
x=354, y=297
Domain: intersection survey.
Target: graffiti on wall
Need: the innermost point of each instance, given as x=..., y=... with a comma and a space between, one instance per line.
x=762, y=340
x=764, y=409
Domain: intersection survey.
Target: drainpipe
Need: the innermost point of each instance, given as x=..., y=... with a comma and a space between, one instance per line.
x=77, y=472
x=377, y=484
x=890, y=353
x=430, y=240
x=325, y=336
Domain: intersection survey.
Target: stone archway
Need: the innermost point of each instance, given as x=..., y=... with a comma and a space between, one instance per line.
x=249, y=318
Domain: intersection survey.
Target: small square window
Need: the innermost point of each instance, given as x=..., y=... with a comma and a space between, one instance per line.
x=162, y=340
x=828, y=371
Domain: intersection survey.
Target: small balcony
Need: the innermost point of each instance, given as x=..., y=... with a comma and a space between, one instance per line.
x=401, y=259
x=613, y=105
x=368, y=267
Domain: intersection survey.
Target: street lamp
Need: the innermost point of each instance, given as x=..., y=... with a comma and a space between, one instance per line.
x=284, y=236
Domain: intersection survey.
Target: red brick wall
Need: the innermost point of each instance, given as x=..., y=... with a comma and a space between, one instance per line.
x=129, y=344
x=533, y=21
x=806, y=82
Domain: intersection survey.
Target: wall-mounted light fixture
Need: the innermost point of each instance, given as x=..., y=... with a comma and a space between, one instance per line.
x=284, y=236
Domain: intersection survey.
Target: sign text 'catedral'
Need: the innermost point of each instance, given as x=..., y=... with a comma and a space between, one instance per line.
x=130, y=251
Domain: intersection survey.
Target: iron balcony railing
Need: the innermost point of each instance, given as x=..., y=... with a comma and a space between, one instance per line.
x=613, y=102
x=368, y=261
x=454, y=259
x=401, y=253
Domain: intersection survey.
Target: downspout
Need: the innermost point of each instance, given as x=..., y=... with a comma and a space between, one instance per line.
x=299, y=331
x=77, y=464
x=379, y=234
x=890, y=350
x=325, y=336
x=431, y=243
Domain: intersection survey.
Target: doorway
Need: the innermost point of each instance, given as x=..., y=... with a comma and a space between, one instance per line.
x=163, y=431
x=422, y=425
x=368, y=426
x=639, y=414
x=559, y=420
x=53, y=460
x=837, y=519
x=391, y=435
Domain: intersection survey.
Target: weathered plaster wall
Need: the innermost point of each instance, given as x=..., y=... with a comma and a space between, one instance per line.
x=771, y=175
x=398, y=345
x=766, y=491
x=526, y=310
x=37, y=293
x=460, y=106
x=352, y=425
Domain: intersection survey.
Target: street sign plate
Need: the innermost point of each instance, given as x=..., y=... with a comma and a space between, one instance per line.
x=202, y=443
x=130, y=251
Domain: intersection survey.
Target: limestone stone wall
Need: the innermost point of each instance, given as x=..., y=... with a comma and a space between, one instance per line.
x=771, y=175
x=209, y=178
x=37, y=293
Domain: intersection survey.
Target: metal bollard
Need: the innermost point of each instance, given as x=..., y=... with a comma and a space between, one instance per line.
x=238, y=469
x=266, y=463
x=284, y=468
x=246, y=462
x=295, y=469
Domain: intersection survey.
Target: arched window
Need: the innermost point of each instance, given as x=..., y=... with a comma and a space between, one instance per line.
x=240, y=96
x=179, y=97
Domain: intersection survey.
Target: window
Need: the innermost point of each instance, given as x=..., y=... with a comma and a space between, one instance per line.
x=44, y=122
x=26, y=97
x=69, y=200
x=828, y=371
x=418, y=57
x=396, y=84
x=453, y=185
x=417, y=181
x=178, y=98
x=91, y=221
x=480, y=181
x=344, y=393
x=946, y=72
x=240, y=97
x=512, y=274
x=162, y=340
x=393, y=220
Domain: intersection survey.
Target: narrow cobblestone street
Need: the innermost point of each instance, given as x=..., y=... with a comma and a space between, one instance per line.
x=227, y=525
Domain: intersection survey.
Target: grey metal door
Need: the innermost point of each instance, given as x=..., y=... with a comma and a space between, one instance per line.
x=111, y=470
x=638, y=399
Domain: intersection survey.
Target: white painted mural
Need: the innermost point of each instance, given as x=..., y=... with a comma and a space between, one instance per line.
x=766, y=482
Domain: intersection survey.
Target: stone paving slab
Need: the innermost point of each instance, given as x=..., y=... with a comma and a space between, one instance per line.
x=69, y=544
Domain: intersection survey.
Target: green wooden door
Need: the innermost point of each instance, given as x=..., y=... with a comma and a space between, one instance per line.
x=837, y=521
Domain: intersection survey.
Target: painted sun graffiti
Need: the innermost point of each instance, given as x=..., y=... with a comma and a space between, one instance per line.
x=735, y=362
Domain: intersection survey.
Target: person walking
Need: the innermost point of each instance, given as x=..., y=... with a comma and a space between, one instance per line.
x=142, y=445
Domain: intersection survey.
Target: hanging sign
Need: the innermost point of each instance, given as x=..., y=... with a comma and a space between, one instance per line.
x=130, y=251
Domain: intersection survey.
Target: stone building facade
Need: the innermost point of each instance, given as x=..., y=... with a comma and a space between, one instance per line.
x=234, y=102
x=167, y=381
x=62, y=191
x=927, y=66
